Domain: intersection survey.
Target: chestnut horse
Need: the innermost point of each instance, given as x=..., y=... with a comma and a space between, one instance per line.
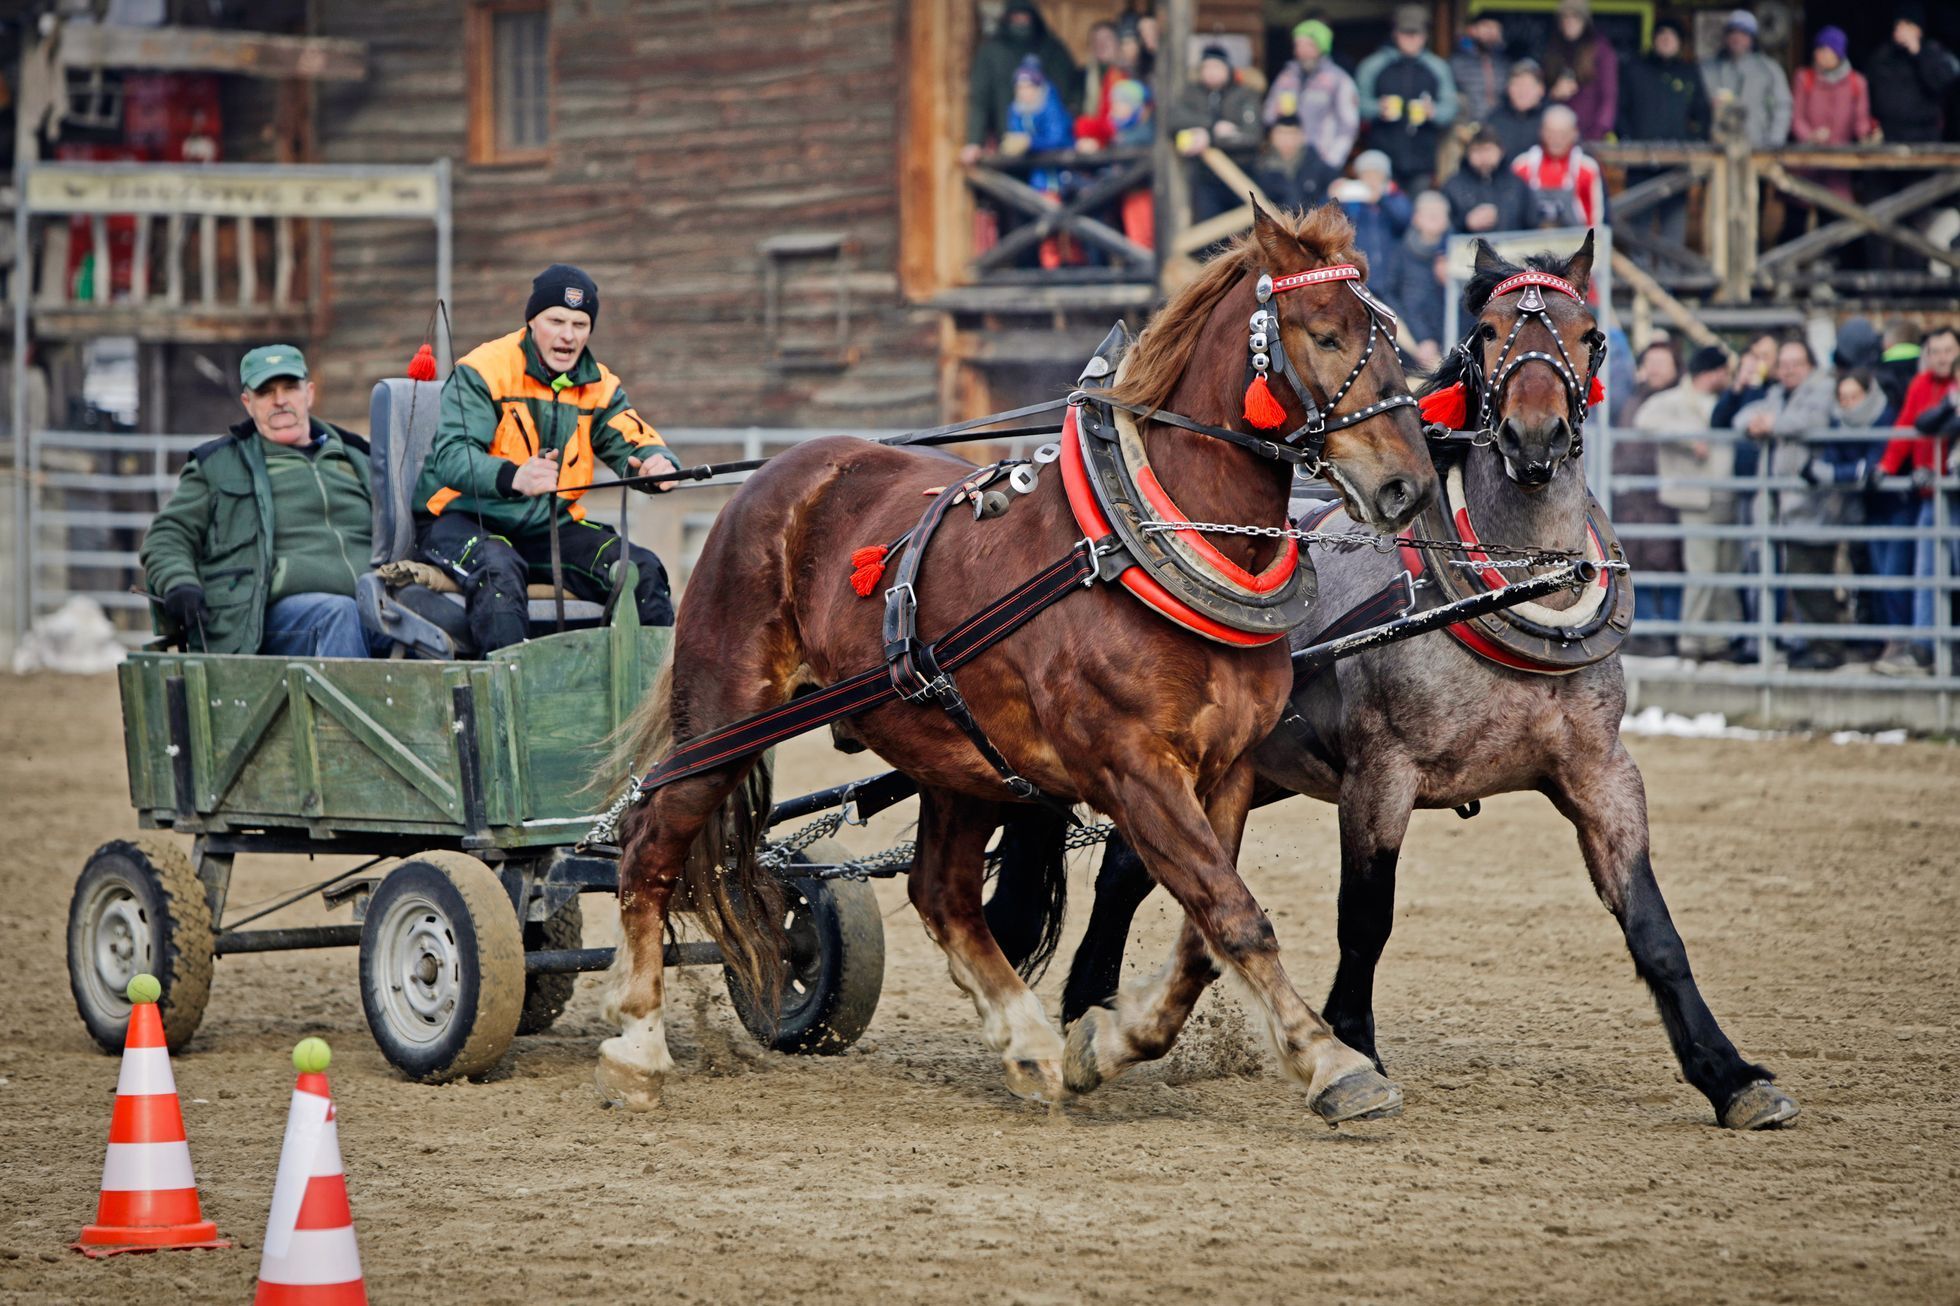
x=1429, y=723
x=1096, y=700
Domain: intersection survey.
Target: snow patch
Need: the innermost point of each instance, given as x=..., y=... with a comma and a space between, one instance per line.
x=1713, y=725
x=76, y=638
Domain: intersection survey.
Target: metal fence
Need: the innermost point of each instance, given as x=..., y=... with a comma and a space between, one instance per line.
x=1886, y=511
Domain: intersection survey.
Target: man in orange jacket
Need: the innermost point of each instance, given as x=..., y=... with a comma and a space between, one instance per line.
x=525, y=418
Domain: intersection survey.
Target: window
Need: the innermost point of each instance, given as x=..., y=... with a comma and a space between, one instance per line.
x=509, y=51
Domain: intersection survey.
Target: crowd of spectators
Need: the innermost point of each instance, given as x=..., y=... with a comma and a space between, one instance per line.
x=1782, y=401
x=1493, y=136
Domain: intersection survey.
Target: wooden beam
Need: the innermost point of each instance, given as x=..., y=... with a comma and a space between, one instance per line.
x=1649, y=289
x=1855, y=220
x=1234, y=176
x=211, y=50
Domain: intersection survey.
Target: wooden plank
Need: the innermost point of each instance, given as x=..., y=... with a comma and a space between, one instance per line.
x=1018, y=193
x=212, y=50
x=311, y=786
x=1815, y=244
x=139, y=271
x=248, y=262
x=1650, y=290
x=268, y=709
x=207, y=259
x=282, y=261
x=1234, y=176
x=1825, y=198
x=378, y=741
x=101, y=264
x=173, y=260
x=197, y=694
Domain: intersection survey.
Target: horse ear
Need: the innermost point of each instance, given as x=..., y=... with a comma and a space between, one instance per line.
x=1578, y=269
x=1282, y=251
x=1485, y=258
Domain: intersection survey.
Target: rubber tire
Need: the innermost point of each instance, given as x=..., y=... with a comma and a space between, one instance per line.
x=490, y=967
x=545, y=996
x=161, y=879
x=848, y=975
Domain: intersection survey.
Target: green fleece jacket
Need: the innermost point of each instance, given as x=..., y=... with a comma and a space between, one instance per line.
x=247, y=534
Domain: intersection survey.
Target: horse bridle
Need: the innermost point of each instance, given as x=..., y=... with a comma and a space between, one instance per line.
x=1488, y=388
x=1267, y=347
x=1305, y=445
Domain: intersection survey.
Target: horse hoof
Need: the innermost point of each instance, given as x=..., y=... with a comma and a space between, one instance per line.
x=1080, y=1070
x=1035, y=1081
x=627, y=1086
x=1762, y=1105
x=1363, y=1095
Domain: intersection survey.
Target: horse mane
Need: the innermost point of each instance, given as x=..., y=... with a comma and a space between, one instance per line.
x=1157, y=361
x=1491, y=272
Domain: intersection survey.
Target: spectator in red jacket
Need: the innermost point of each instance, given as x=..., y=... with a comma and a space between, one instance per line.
x=1583, y=70
x=1566, y=186
x=1929, y=411
x=1831, y=104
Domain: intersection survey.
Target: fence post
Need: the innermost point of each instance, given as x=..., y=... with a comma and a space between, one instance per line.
x=1740, y=202
x=1765, y=574
x=1942, y=572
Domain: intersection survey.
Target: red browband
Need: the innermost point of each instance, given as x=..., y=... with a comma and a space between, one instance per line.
x=1319, y=276
x=1523, y=279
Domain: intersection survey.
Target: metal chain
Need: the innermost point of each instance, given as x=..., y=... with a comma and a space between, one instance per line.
x=1530, y=557
x=898, y=859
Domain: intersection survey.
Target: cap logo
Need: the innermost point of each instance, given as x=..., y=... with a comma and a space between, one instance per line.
x=574, y=296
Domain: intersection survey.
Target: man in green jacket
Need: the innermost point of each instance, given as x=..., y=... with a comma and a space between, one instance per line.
x=259, y=548
x=525, y=419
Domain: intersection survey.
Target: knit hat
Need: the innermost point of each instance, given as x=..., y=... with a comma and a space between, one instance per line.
x=1740, y=20
x=1029, y=73
x=1858, y=344
x=1411, y=18
x=1316, y=31
x=1217, y=52
x=1373, y=160
x=1674, y=25
x=1528, y=67
x=1709, y=358
x=563, y=286
x=1583, y=8
x=1832, y=39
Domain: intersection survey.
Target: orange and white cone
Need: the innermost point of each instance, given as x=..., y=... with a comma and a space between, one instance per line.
x=149, y=1196
x=311, y=1258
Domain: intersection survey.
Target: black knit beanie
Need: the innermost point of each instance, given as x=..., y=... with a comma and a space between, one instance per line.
x=563, y=286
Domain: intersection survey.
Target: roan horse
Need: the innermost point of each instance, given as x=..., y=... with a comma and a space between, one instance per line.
x=1430, y=723
x=1097, y=700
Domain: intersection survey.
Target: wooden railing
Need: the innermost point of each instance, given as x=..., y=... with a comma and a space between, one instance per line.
x=1029, y=216
x=1733, y=180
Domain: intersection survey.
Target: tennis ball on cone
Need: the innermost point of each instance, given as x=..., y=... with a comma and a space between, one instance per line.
x=144, y=988
x=311, y=1056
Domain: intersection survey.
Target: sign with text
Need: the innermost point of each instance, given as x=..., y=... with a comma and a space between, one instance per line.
x=237, y=191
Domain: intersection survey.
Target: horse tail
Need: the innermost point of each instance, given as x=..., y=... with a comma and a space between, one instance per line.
x=739, y=904
x=1030, y=894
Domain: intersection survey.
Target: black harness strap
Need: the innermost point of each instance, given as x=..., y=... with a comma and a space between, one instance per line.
x=869, y=688
x=917, y=673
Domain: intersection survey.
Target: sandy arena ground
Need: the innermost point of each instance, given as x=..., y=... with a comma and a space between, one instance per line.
x=1549, y=1151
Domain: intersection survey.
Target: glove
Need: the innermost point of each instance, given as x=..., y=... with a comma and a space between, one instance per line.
x=186, y=608
x=1814, y=472
x=1922, y=478
x=1935, y=419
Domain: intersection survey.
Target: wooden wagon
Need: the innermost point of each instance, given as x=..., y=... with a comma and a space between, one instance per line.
x=462, y=787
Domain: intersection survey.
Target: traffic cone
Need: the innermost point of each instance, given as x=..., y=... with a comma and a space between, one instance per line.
x=149, y=1196
x=310, y=1258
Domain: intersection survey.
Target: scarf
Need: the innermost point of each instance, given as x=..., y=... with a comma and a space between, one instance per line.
x=1864, y=413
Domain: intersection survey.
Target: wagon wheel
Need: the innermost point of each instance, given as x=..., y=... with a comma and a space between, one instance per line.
x=836, y=964
x=442, y=967
x=139, y=908
x=545, y=996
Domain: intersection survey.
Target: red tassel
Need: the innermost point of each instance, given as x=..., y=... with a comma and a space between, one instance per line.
x=869, y=564
x=1261, y=409
x=1597, y=393
x=1447, y=407
x=422, y=367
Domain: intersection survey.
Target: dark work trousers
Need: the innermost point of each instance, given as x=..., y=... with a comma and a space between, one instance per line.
x=494, y=569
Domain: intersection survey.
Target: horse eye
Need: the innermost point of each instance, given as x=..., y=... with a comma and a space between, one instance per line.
x=1327, y=342
x=1487, y=331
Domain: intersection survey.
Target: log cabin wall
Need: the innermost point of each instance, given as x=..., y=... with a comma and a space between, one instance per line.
x=684, y=135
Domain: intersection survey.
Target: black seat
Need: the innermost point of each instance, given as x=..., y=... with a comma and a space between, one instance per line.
x=413, y=603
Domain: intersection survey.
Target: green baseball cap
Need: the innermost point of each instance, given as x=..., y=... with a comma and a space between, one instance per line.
x=269, y=361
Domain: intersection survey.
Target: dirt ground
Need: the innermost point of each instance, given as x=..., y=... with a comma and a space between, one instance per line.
x=1549, y=1150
